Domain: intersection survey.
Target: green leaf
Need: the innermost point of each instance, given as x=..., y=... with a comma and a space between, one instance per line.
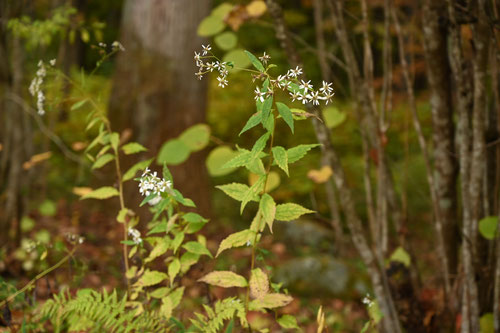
x=217, y=158
x=226, y=40
x=374, y=312
x=102, y=161
x=253, y=192
x=290, y=211
x=288, y=321
x=296, y=153
x=196, y=137
x=47, y=208
x=268, y=208
x=101, y=193
x=160, y=249
x=178, y=239
x=270, y=301
x=242, y=159
x=197, y=248
x=176, y=296
x=236, y=191
x=286, y=114
x=150, y=278
x=238, y=58
x=211, y=25
x=173, y=152
x=333, y=117
x=260, y=144
x=136, y=167
x=224, y=279
x=114, y=139
x=133, y=148
x=281, y=157
x=486, y=323
x=159, y=292
x=173, y=269
x=230, y=326
x=188, y=259
x=237, y=239
x=488, y=227
x=255, y=62
x=222, y=10
x=78, y=104
x=259, y=284
x=253, y=121
x=266, y=109
x=400, y=255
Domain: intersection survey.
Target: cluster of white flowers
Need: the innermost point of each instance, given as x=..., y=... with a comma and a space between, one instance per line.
x=117, y=46
x=136, y=235
x=151, y=183
x=305, y=91
x=208, y=67
x=368, y=301
x=35, y=88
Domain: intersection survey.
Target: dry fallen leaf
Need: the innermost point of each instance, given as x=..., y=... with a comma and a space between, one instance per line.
x=35, y=159
x=320, y=176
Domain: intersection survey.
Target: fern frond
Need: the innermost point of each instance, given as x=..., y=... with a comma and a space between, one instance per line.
x=223, y=310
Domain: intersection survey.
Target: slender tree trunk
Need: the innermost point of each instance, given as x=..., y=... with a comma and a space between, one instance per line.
x=155, y=93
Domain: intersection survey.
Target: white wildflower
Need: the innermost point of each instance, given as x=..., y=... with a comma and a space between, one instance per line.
x=199, y=75
x=52, y=62
x=136, y=235
x=35, y=87
x=117, y=45
x=206, y=49
x=326, y=88
x=265, y=58
x=294, y=72
x=151, y=183
x=222, y=81
x=259, y=95
x=197, y=57
x=101, y=44
x=305, y=85
x=295, y=95
x=314, y=97
x=367, y=301
x=328, y=97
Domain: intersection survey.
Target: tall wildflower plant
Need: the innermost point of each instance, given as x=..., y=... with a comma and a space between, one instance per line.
x=172, y=237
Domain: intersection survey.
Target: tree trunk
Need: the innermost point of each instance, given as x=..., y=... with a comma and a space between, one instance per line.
x=155, y=93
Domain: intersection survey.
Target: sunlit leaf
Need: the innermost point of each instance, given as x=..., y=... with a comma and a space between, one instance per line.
x=101, y=193
x=290, y=211
x=259, y=283
x=237, y=239
x=225, y=279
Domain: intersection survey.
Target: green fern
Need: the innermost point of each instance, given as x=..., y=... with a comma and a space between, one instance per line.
x=97, y=312
x=223, y=310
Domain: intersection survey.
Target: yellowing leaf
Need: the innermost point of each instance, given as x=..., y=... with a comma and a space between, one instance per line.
x=259, y=284
x=173, y=269
x=225, y=279
x=197, y=248
x=273, y=180
x=102, y=161
x=290, y=211
x=196, y=137
x=256, y=8
x=235, y=190
x=150, y=278
x=268, y=208
x=320, y=176
x=81, y=191
x=270, y=301
x=101, y=193
x=217, y=158
x=401, y=256
x=133, y=148
x=160, y=248
x=237, y=239
x=288, y=321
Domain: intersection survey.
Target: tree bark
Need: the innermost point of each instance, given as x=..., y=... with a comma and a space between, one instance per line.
x=155, y=93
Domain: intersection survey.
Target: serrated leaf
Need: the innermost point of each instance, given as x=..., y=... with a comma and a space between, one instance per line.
x=266, y=109
x=400, y=255
x=268, y=208
x=166, y=307
x=488, y=227
x=286, y=114
x=296, y=153
x=270, y=301
x=290, y=211
x=133, y=148
x=253, y=192
x=176, y=296
x=173, y=269
x=101, y=193
x=237, y=239
x=150, y=278
x=240, y=160
x=188, y=259
x=224, y=279
x=288, y=321
x=102, y=161
x=176, y=243
x=259, y=284
x=197, y=248
x=136, y=167
x=159, y=292
x=281, y=157
x=255, y=62
x=253, y=121
x=236, y=191
x=160, y=248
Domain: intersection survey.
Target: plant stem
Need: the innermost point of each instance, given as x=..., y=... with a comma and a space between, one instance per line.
x=38, y=277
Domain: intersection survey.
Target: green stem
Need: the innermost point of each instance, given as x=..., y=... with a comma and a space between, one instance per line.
x=38, y=277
